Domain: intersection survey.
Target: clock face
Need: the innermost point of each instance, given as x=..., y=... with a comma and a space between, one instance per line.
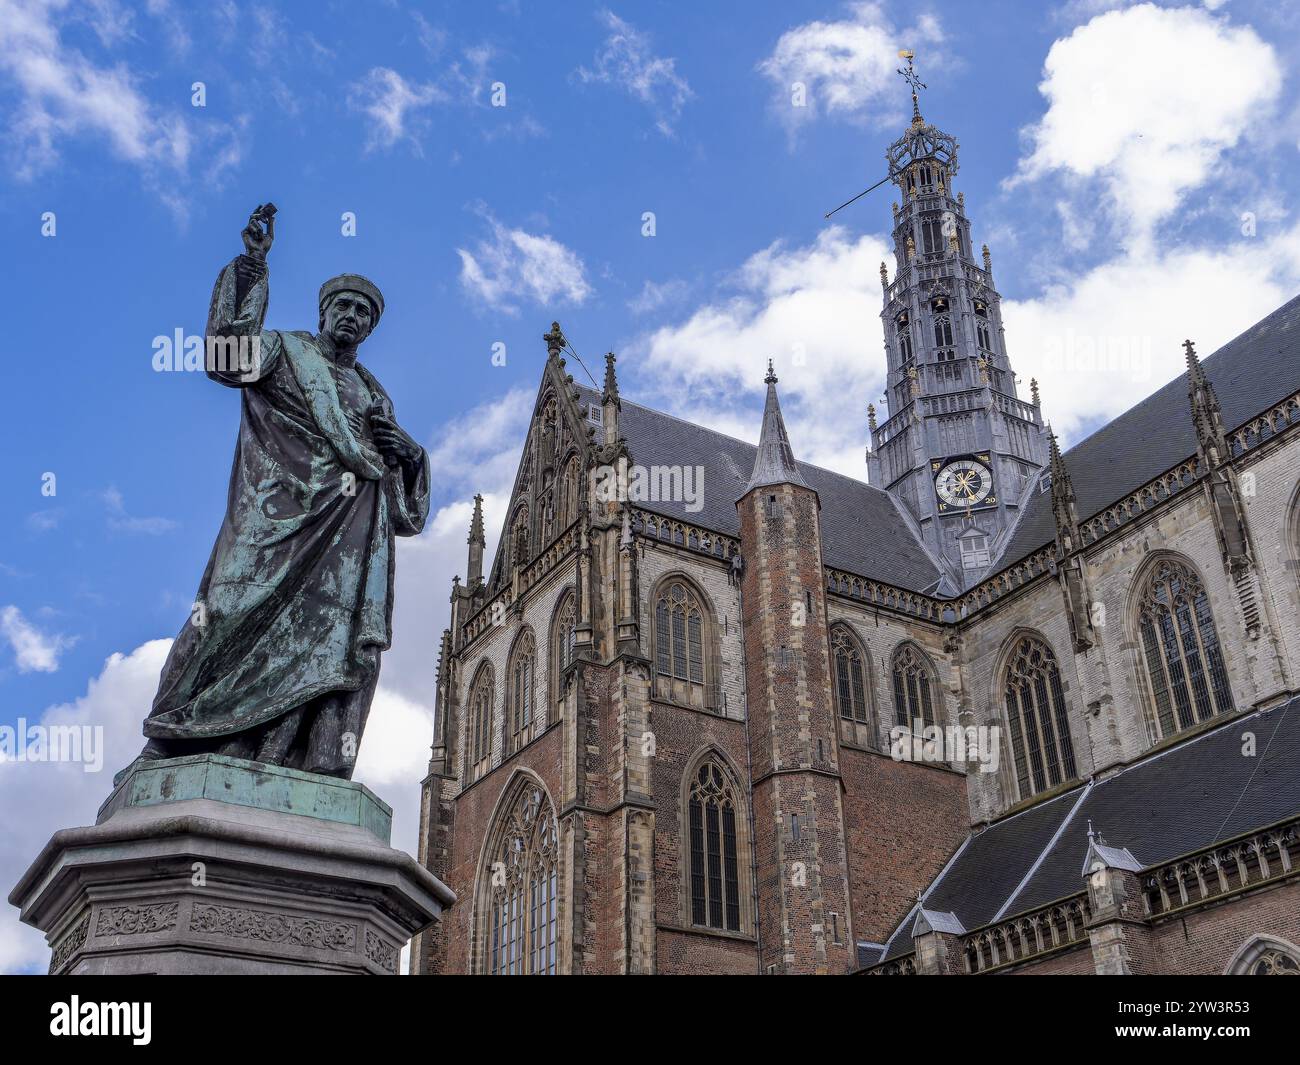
x=964, y=483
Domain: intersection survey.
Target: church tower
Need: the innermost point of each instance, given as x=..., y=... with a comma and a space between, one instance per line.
x=800, y=846
x=959, y=450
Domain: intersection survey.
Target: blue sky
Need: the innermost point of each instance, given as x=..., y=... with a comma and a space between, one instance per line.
x=1131, y=166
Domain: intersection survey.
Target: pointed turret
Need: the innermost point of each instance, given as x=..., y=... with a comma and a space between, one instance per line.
x=774, y=463
x=477, y=542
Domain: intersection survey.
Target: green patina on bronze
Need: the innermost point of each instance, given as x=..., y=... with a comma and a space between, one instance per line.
x=280, y=658
x=240, y=782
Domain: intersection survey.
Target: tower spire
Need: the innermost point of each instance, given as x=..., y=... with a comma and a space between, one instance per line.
x=477, y=541
x=774, y=463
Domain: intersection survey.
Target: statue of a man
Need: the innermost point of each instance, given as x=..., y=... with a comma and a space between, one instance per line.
x=279, y=660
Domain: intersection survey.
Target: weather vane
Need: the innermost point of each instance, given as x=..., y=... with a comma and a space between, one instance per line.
x=909, y=75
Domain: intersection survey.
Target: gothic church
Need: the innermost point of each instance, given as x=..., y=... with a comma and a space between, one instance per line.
x=666, y=739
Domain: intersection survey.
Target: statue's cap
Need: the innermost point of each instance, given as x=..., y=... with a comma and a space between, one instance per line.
x=354, y=283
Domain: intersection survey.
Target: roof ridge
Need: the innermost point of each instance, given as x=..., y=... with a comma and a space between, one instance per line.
x=735, y=439
x=1214, y=355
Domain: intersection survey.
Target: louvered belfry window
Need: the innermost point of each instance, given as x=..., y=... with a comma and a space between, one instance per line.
x=850, y=689
x=913, y=681
x=1037, y=718
x=1184, y=665
x=715, y=868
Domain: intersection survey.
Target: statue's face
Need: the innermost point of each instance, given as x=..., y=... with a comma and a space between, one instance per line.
x=348, y=319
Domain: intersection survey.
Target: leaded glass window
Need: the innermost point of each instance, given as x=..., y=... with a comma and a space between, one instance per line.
x=522, y=883
x=1037, y=718
x=714, y=859
x=1181, y=656
x=913, y=688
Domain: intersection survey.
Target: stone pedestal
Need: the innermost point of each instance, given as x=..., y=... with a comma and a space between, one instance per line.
x=206, y=864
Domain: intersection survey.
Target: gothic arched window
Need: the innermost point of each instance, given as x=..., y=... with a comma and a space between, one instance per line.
x=1266, y=956
x=569, y=491
x=521, y=690
x=1183, y=662
x=982, y=335
x=943, y=331
x=914, y=685
x=849, y=674
x=1037, y=718
x=480, y=723
x=519, y=537
x=563, y=629
x=520, y=882
x=681, y=637
x=715, y=827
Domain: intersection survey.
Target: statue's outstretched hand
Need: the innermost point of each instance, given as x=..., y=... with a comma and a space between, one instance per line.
x=258, y=241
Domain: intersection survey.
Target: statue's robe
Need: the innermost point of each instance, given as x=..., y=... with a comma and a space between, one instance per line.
x=297, y=597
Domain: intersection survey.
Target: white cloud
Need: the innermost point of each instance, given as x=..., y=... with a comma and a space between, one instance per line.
x=1105, y=340
x=65, y=94
x=626, y=60
x=55, y=795
x=815, y=311
x=120, y=520
x=1149, y=123
x=513, y=263
x=847, y=68
x=34, y=651
x=655, y=295
x=391, y=102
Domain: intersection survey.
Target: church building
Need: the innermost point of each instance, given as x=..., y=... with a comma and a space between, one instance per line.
x=994, y=707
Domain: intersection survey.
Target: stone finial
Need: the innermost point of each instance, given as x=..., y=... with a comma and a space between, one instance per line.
x=1035, y=398
x=988, y=259
x=610, y=395
x=884, y=276
x=961, y=200
x=871, y=417
x=476, y=535
x=555, y=341
x=771, y=377
x=911, y=247
x=894, y=206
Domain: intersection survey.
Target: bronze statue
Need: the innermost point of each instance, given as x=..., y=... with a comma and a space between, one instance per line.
x=279, y=660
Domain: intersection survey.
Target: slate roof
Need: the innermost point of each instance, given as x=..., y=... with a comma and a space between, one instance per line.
x=1258, y=368
x=863, y=529
x=1175, y=801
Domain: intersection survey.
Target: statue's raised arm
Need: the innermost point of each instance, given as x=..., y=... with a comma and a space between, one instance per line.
x=238, y=353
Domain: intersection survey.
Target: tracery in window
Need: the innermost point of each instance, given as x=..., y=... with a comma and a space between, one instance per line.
x=563, y=630
x=713, y=825
x=943, y=331
x=521, y=881
x=849, y=676
x=519, y=537
x=520, y=690
x=1181, y=656
x=913, y=688
x=680, y=644
x=480, y=723
x=1037, y=718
